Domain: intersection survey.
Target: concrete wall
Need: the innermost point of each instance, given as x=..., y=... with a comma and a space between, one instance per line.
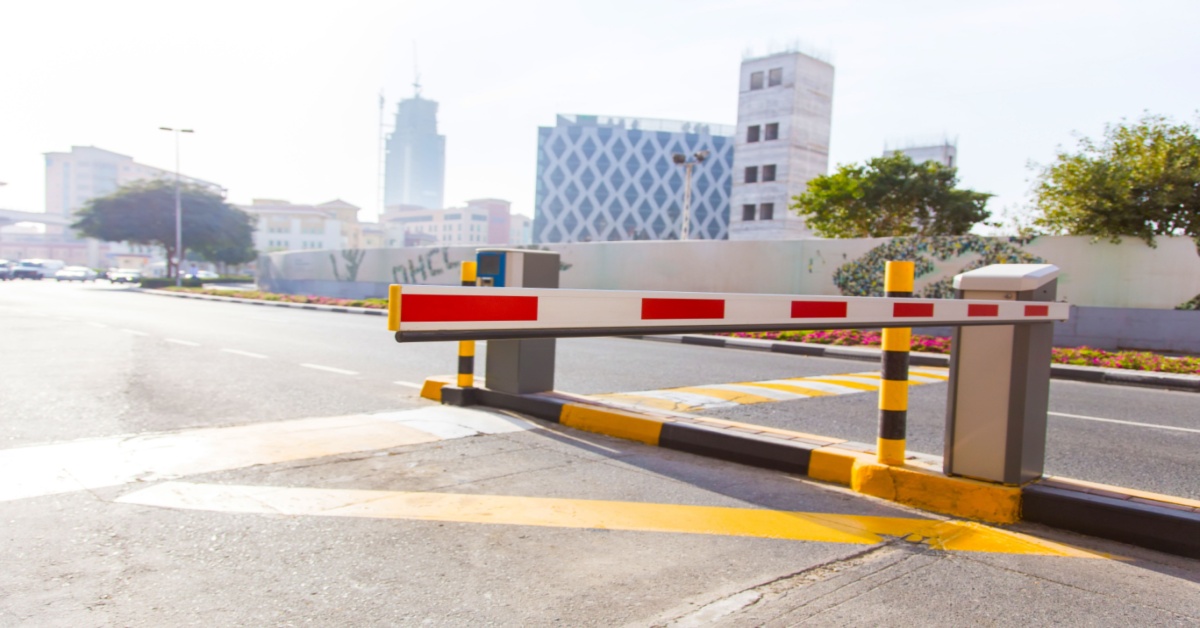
x=1176, y=331
x=1128, y=275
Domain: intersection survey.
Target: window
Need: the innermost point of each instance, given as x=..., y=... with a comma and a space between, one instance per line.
x=766, y=211
x=747, y=212
x=756, y=80
x=771, y=131
x=775, y=77
x=751, y=174
x=752, y=133
x=768, y=172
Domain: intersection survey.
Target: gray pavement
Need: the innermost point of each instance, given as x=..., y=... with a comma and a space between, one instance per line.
x=396, y=511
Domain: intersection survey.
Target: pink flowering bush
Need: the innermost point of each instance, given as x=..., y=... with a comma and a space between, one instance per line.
x=1135, y=360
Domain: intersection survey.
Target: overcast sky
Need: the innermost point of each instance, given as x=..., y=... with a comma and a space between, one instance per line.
x=284, y=96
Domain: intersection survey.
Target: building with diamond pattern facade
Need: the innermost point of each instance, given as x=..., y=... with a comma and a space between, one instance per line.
x=605, y=178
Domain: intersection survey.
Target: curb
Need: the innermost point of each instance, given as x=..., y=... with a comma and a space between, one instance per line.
x=301, y=306
x=1150, y=520
x=1120, y=377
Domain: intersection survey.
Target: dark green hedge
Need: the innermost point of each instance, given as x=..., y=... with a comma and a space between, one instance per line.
x=163, y=282
x=231, y=279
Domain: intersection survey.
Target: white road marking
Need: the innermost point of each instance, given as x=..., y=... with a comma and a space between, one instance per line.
x=95, y=324
x=135, y=332
x=245, y=353
x=91, y=463
x=330, y=369
x=186, y=343
x=1119, y=422
x=409, y=384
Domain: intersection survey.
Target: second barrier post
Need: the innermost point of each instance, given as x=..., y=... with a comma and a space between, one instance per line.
x=893, y=389
x=466, y=348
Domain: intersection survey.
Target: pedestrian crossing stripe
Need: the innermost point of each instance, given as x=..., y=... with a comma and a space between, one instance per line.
x=712, y=396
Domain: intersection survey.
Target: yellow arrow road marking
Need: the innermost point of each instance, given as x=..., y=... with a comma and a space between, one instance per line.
x=595, y=514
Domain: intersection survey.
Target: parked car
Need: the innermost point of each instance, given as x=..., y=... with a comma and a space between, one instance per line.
x=125, y=275
x=6, y=268
x=75, y=273
x=26, y=269
x=203, y=274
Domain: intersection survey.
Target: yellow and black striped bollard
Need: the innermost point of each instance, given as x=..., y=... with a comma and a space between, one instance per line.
x=466, y=348
x=893, y=389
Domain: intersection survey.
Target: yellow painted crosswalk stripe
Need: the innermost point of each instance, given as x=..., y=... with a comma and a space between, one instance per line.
x=843, y=382
x=799, y=390
x=735, y=396
x=707, y=396
x=595, y=514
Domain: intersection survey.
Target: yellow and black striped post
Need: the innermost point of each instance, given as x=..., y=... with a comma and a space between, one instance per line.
x=466, y=348
x=893, y=389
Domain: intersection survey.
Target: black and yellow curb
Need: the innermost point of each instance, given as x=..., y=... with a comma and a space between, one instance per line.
x=1148, y=520
x=817, y=457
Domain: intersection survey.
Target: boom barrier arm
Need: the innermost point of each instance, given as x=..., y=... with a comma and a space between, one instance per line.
x=440, y=313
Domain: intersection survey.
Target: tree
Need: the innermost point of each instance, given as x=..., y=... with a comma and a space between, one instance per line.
x=1142, y=180
x=890, y=196
x=144, y=213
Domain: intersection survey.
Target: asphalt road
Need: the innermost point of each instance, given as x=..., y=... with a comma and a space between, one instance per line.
x=176, y=462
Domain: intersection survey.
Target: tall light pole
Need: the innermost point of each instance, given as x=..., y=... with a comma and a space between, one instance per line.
x=178, y=208
x=681, y=159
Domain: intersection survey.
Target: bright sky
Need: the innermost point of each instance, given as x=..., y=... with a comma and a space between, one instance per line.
x=284, y=96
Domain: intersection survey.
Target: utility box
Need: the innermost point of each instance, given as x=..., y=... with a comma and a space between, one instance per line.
x=1000, y=380
x=519, y=366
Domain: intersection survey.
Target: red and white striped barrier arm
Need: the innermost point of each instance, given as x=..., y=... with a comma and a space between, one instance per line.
x=435, y=313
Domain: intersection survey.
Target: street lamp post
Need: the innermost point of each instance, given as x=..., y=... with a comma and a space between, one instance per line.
x=681, y=159
x=178, y=209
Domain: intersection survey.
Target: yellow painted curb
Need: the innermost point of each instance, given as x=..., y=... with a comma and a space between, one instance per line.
x=830, y=464
x=432, y=389
x=612, y=423
x=958, y=497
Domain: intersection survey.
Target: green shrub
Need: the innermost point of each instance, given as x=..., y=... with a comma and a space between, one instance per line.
x=230, y=279
x=163, y=282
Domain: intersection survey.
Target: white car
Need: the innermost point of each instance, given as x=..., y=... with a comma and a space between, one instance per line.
x=125, y=275
x=76, y=273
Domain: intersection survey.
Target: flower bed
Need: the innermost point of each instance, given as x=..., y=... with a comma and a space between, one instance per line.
x=259, y=295
x=1079, y=356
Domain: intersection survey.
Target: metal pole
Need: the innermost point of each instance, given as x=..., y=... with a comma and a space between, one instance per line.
x=178, y=218
x=466, y=348
x=893, y=390
x=687, y=201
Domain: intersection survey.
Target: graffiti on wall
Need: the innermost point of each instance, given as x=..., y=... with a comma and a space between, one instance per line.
x=424, y=267
x=863, y=277
x=353, y=259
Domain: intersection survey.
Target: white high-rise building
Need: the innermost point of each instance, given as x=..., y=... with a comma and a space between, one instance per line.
x=945, y=153
x=785, y=106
